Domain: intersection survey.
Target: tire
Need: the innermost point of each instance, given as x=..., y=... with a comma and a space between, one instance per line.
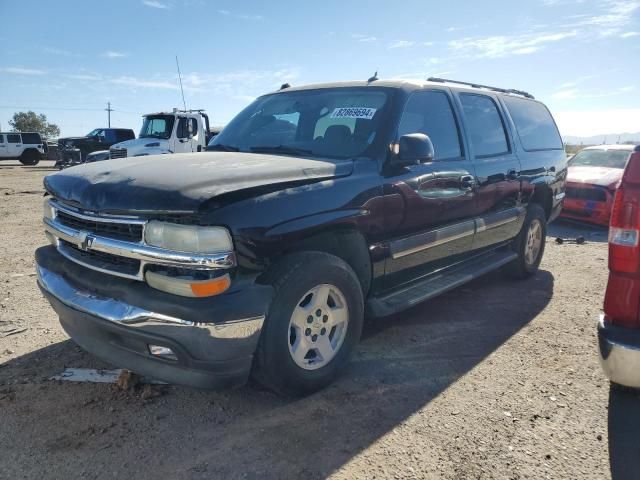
x=301, y=281
x=527, y=263
x=30, y=157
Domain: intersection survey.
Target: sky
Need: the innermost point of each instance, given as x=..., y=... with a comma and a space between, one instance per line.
x=68, y=59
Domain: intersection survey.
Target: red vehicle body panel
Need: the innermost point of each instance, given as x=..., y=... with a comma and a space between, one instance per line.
x=590, y=192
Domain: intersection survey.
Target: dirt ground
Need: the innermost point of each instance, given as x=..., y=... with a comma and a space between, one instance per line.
x=497, y=379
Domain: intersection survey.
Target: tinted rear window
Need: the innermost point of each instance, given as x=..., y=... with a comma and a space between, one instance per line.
x=31, y=138
x=534, y=124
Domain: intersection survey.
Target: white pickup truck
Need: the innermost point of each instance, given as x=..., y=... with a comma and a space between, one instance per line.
x=178, y=131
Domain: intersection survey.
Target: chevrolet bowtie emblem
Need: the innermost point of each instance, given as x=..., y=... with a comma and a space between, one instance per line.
x=86, y=240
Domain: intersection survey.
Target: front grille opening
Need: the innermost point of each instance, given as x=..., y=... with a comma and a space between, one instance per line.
x=117, y=231
x=118, y=153
x=593, y=194
x=101, y=260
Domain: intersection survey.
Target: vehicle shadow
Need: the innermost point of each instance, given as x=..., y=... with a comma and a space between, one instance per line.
x=572, y=229
x=402, y=364
x=624, y=434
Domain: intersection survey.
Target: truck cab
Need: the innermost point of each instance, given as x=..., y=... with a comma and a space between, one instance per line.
x=179, y=131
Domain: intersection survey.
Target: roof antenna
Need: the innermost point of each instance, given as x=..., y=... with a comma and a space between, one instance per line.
x=374, y=78
x=181, y=90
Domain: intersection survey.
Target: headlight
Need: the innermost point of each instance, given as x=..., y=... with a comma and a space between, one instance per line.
x=47, y=209
x=188, y=238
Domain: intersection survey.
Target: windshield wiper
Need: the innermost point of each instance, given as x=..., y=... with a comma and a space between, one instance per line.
x=286, y=149
x=222, y=148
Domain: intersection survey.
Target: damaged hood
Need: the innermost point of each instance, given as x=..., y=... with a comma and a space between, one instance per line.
x=601, y=176
x=180, y=182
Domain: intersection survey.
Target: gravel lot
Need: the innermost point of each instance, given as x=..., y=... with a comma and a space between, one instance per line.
x=497, y=379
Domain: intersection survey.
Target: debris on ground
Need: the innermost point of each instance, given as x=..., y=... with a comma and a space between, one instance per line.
x=124, y=379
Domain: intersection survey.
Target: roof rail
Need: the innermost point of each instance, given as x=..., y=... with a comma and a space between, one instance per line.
x=477, y=85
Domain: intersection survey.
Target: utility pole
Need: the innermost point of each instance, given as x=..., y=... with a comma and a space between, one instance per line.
x=109, y=110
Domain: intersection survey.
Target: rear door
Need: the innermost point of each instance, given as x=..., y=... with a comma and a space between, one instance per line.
x=431, y=206
x=14, y=145
x=499, y=215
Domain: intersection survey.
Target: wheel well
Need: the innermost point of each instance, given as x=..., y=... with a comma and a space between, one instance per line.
x=543, y=197
x=348, y=245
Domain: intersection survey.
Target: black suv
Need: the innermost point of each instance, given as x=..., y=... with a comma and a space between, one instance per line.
x=74, y=150
x=317, y=206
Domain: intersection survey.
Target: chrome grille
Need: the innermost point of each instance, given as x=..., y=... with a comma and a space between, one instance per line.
x=117, y=152
x=100, y=260
x=119, y=231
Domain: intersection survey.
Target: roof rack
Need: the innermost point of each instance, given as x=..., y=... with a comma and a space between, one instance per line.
x=477, y=85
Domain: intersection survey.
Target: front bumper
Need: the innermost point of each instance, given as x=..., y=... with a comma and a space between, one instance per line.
x=619, y=353
x=592, y=211
x=116, y=319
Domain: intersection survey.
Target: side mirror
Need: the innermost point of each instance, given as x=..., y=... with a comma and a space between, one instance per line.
x=415, y=148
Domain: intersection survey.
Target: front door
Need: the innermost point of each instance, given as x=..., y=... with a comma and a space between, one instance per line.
x=4, y=152
x=499, y=215
x=186, y=135
x=430, y=206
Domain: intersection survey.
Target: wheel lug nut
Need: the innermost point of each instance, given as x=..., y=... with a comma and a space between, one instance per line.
x=318, y=312
x=309, y=319
x=314, y=338
x=323, y=331
x=307, y=332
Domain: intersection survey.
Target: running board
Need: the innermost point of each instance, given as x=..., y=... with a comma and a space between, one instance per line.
x=437, y=283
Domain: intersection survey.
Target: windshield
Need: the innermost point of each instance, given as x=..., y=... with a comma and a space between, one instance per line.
x=601, y=158
x=95, y=132
x=157, y=126
x=335, y=123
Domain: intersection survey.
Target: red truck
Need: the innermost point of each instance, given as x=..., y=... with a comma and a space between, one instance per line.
x=619, y=327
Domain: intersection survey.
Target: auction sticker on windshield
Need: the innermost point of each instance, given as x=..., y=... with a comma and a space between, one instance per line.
x=354, y=112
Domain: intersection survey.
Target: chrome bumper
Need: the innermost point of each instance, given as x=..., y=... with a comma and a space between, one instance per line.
x=619, y=356
x=122, y=313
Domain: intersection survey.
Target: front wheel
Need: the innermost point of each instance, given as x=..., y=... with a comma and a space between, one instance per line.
x=529, y=244
x=313, y=325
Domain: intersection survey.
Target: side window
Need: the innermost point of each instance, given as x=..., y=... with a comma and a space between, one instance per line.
x=535, y=126
x=124, y=135
x=1, y=138
x=484, y=125
x=31, y=138
x=110, y=136
x=183, y=130
x=430, y=113
x=14, y=138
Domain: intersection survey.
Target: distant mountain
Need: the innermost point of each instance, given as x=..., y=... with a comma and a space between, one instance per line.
x=600, y=139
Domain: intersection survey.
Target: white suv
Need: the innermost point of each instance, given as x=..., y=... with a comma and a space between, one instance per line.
x=27, y=147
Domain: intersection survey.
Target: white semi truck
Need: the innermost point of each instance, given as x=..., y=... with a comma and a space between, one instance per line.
x=178, y=131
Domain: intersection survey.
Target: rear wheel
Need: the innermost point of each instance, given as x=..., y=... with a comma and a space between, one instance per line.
x=529, y=244
x=30, y=157
x=313, y=324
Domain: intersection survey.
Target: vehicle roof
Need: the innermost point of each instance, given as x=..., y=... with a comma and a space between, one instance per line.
x=404, y=84
x=16, y=133
x=611, y=147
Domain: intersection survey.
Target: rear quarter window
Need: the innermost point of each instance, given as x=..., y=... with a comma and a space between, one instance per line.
x=31, y=138
x=535, y=126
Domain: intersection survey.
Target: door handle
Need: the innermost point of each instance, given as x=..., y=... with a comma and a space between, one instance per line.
x=512, y=174
x=467, y=182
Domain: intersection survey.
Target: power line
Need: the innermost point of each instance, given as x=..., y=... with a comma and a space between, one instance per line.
x=22, y=107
